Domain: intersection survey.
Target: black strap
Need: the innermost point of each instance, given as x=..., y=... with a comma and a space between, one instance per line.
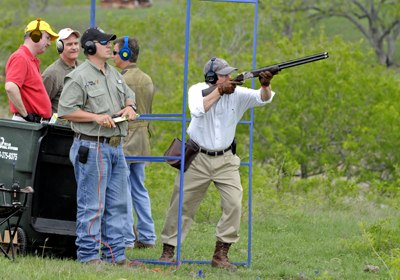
x=216, y=153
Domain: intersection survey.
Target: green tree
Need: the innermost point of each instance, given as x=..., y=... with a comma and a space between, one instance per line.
x=382, y=17
x=284, y=15
x=331, y=112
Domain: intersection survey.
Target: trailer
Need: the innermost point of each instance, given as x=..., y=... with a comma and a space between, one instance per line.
x=37, y=155
x=126, y=4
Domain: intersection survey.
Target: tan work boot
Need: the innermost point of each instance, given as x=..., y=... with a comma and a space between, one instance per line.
x=220, y=257
x=167, y=254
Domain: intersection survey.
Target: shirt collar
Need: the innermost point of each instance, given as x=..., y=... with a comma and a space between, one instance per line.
x=97, y=68
x=28, y=52
x=130, y=66
x=66, y=65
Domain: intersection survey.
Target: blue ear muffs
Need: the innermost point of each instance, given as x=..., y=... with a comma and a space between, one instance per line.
x=125, y=53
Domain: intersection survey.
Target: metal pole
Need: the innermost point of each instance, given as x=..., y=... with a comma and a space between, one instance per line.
x=251, y=135
x=183, y=128
x=92, y=13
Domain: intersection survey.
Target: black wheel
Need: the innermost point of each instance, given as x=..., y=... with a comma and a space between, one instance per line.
x=22, y=241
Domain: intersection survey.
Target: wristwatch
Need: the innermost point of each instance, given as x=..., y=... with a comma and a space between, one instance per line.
x=133, y=107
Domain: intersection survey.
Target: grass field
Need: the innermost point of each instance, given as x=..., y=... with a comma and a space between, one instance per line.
x=285, y=245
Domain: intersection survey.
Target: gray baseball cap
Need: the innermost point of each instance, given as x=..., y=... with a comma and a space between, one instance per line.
x=220, y=66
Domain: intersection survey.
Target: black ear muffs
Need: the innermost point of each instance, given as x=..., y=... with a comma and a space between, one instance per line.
x=36, y=34
x=60, y=46
x=125, y=53
x=211, y=77
x=90, y=48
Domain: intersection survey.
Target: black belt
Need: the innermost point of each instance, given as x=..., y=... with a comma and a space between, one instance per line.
x=100, y=139
x=215, y=153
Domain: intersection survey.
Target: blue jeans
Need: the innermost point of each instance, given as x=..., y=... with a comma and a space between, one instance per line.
x=141, y=203
x=113, y=200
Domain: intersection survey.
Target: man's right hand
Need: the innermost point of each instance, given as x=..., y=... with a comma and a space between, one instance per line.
x=31, y=117
x=228, y=87
x=265, y=78
x=105, y=121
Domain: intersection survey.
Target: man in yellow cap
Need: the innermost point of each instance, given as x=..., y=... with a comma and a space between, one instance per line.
x=24, y=85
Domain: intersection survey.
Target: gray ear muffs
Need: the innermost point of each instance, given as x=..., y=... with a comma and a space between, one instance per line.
x=60, y=46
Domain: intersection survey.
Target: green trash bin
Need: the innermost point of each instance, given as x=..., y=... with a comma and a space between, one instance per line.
x=18, y=141
x=41, y=156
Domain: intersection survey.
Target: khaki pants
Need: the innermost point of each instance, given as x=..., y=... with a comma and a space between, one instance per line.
x=224, y=172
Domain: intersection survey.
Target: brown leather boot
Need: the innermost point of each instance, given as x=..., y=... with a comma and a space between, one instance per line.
x=167, y=254
x=220, y=257
x=140, y=245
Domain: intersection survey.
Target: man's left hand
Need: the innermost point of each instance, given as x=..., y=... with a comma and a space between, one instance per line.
x=127, y=111
x=265, y=78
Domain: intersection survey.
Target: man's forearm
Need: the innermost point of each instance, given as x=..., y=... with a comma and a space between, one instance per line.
x=210, y=99
x=266, y=93
x=80, y=116
x=15, y=97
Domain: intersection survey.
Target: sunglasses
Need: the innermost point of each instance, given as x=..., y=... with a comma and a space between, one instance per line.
x=103, y=43
x=115, y=53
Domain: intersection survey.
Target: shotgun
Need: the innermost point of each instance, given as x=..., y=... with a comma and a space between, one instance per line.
x=274, y=69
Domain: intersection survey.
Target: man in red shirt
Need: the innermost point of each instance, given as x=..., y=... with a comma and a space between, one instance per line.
x=27, y=95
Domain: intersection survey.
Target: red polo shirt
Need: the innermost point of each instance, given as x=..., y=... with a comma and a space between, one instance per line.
x=23, y=70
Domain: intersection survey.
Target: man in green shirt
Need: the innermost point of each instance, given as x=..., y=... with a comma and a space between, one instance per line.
x=125, y=55
x=53, y=77
x=93, y=93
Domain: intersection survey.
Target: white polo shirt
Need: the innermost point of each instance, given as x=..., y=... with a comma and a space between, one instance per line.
x=214, y=130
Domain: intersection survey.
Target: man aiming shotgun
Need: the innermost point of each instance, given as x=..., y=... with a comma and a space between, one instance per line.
x=216, y=106
x=212, y=129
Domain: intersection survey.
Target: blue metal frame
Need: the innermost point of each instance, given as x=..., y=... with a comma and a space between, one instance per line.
x=183, y=119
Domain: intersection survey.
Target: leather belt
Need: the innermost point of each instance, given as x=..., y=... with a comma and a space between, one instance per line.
x=215, y=153
x=113, y=141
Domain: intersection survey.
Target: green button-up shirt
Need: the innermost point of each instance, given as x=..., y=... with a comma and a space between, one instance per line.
x=53, y=80
x=89, y=89
x=137, y=142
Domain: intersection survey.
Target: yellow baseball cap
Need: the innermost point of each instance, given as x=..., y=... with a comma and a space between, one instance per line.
x=43, y=26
